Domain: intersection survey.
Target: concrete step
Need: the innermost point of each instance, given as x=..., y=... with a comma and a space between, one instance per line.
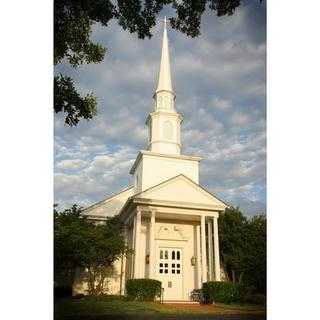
x=181, y=302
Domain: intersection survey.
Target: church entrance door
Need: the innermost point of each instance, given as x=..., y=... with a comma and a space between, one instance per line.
x=170, y=272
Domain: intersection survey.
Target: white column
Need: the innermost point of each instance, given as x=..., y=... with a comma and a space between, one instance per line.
x=124, y=263
x=152, y=258
x=210, y=250
x=198, y=255
x=216, y=249
x=203, y=249
x=133, y=235
x=137, y=262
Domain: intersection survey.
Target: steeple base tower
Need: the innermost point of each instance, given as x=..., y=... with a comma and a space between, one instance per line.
x=151, y=168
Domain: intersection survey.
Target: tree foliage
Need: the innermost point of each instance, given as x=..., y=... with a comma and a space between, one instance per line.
x=79, y=243
x=254, y=256
x=73, y=21
x=68, y=100
x=243, y=247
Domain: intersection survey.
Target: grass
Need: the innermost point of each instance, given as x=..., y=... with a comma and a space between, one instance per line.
x=106, y=307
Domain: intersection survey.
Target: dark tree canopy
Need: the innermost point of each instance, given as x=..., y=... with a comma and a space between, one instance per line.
x=232, y=226
x=81, y=244
x=73, y=20
x=254, y=256
x=243, y=247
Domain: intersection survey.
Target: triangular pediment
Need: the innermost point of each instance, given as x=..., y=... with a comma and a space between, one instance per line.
x=181, y=189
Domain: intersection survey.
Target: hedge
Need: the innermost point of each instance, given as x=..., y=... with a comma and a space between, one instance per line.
x=225, y=292
x=143, y=289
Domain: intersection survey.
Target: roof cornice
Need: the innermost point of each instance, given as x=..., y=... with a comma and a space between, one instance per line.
x=177, y=204
x=170, y=114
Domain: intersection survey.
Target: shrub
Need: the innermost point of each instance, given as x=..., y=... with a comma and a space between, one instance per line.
x=257, y=298
x=143, y=289
x=225, y=292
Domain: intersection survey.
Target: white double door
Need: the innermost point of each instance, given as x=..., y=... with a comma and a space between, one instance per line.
x=170, y=272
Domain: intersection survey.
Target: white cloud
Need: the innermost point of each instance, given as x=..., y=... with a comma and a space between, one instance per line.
x=221, y=104
x=240, y=119
x=71, y=164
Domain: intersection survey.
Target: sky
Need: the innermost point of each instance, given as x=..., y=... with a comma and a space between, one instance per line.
x=220, y=84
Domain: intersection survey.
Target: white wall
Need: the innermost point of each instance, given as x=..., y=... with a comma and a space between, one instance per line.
x=111, y=284
x=157, y=169
x=163, y=140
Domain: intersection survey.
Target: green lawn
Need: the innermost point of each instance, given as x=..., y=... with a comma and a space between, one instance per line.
x=110, y=307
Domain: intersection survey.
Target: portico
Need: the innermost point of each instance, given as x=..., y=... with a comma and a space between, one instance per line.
x=184, y=228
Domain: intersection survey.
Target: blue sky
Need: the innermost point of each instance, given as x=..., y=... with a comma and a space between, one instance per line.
x=219, y=79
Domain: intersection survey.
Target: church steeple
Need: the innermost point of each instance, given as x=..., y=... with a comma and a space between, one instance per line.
x=164, y=83
x=163, y=159
x=164, y=122
x=164, y=95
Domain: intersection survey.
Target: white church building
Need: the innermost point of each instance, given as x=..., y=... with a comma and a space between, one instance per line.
x=171, y=222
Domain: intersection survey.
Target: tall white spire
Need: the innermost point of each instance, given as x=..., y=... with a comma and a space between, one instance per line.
x=164, y=122
x=164, y=83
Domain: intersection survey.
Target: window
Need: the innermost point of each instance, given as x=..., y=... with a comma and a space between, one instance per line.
x=160, y=103
x=167, y=102
x=175, y=267
x=170, y=261
x=167, y=130
x=150, y=130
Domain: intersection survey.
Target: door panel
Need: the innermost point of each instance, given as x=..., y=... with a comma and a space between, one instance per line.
x=170, y=272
